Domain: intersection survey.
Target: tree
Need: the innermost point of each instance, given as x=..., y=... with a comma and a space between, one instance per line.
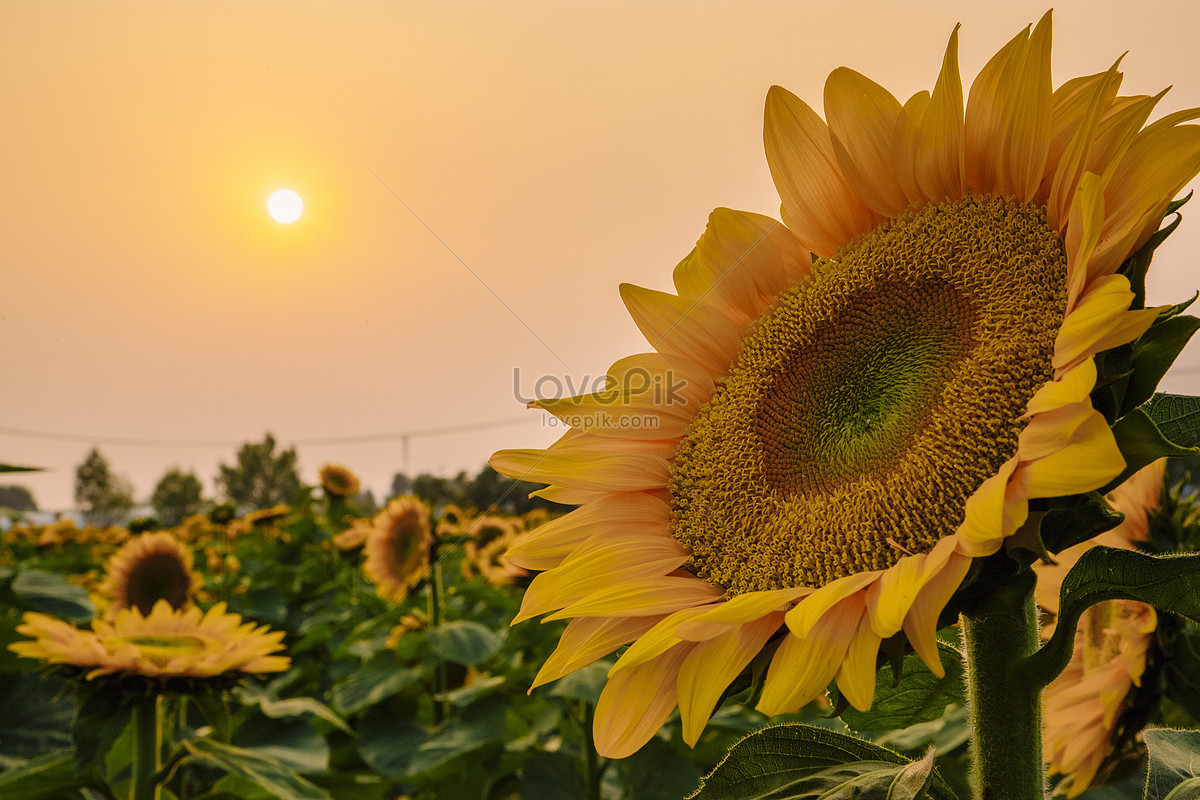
x=18, y=498
x=261, y=478
x=177, y=496
x=101, y=496
x=402, y=485
x=491, y=490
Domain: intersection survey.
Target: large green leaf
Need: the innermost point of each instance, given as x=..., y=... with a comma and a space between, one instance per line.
x=267, y=773
x=658, y=772
x=48, y=777
x=292, y=742
x=1153, y=354
x=464, y=642
x=789, y=762
x=551, y=776
x=34, y=717
x=101, y=719
x=1174, y=764
x=583, y=684
x=1162, y=428
x=919, y=695
x=1169, y=583
x=37, y=590
x=387, y=741
x=377, y=680
x=291, y=707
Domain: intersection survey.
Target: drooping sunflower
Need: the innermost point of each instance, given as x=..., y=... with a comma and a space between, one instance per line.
x=339, y=481
x=846, y=409
x=397, y=547
x=1084, y=703
x=167, y=643
x=149, y=568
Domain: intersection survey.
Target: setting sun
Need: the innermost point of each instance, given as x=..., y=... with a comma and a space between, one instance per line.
x=285, y=206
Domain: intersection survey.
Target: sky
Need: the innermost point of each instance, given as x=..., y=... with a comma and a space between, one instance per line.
x=478, y=179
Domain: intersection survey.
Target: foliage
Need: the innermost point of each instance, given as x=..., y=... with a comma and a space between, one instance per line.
x=100, y=495
x=18, y=498
x=177, y=496
x=261, y=478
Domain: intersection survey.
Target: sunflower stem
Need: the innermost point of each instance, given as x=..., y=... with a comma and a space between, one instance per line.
x=1005, y=708
x=436, y=588
x=591, y=760
x=146, y=750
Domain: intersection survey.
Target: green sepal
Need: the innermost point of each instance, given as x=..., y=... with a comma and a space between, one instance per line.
x=918, y=696
x=1166, y=426
x=1155, y=351
x=1114, y=367
x=1174, y=772
x=791, y=762
x=1136, y=266
x=1057, y=523
x=1169, y=583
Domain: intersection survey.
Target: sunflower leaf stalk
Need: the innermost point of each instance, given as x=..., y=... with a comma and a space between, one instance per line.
x=999, y=633
x=147, y=750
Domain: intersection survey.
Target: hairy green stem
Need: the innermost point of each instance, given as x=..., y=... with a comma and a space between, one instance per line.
x=1005, y=706
x=146, y=750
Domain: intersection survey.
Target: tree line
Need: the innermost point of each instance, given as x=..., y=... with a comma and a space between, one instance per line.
x=263, y=476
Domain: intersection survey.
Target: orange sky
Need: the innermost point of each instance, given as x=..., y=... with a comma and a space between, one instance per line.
x=547, y=150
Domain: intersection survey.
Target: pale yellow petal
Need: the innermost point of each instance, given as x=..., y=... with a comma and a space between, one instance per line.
x=890, y=597
x=856, y=678
x=656, y=641
x=818, y=205
x=1070, y=167
x=921, y=622
x=736, y=610
x=1073, y=386
x=1049, y=431
x=628, y=513
x=651, y=596
x=939, y=153
x=587, y=639
x=1102, y=320
x=684, y=327
x=862, y=118
x=813, y=608
x=1089, y=461
x=636, y=702
x=803, y=667
x=986, y=116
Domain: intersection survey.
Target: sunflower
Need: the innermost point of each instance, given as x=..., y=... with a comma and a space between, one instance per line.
x=848, y=408
x=397, y=547
x=339, y=481
x=149, y=568
x=167, y=643
x=1112, y=638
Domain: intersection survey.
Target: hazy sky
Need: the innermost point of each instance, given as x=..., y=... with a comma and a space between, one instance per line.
x=478, y=179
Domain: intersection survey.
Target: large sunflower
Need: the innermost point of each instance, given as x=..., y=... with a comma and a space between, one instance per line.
x=397, y=547
x=847, y=408
x=167, y=643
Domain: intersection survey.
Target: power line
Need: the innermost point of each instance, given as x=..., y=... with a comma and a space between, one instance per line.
x=368, y=438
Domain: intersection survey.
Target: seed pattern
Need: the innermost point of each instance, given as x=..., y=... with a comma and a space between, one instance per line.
x=873, y=399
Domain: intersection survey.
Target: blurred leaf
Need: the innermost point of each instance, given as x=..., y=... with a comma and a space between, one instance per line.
x=551, y=776
x=33, y=718
x=479, y=688
x=292, y=707
x=47, y=777
x=1181, y=668
x=51, y=594
x=658, y=772
x=919, y=696
x=268, y=773
x=292, y=742
x=387, y=742
x=464, y=642
x=101, y=718
x=1169, y=583
x=790, y=762
x=11, y=468
x=482, y=726
x=377, y=680
x=1174, y=764
x=584, y=684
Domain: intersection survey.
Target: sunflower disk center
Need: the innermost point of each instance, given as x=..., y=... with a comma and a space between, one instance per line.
x=873, y=399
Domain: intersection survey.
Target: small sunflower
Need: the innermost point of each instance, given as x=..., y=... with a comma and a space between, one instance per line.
x=149, y=568
x=168, y=643
x=397, y=547
x=1083, y=704
x=846, y=409
x=353, y=537
x=339, y=481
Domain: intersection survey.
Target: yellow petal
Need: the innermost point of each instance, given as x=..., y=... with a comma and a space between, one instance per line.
x=986, y=116
x=890, y=597
x=813, y=608
x=587, y=639
x=684, y=327
x=862, y=119
x=856, y=678
x=1070, y=167
x=939, y=152
x=651, y=596
x=920, y=624
x=1088, y=462
x=1049, y=432
x=736, y=610
x=987, y=522
x=803, y=667
x=1073, y=386
x=634, y=513
x=818, y=205
x=656, y=641
x=582, y=461
x=709, y=669
x=1102, y=320
x=636, y=702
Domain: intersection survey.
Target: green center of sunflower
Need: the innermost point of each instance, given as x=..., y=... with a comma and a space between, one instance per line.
x=157, y=576
x=160, y=649
x=873, y=399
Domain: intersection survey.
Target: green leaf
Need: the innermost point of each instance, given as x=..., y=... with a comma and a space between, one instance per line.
x=788, y=762
x=387, y=741
x=33, y=718
x=1136, y=266
x=268, y=773
x=47, y=777
x=1181, y=668
x=551, y=776
x=913, y=779
x=1174, y=764
x=919, y=695
x=1169, y=583
x=464, y=696
x=1177, y=417
x=101, y=718
x=658, y=772
x=292, y=707
x=1153, y=354
x=464, y=642
x=292, y=742
x=377, y=680
x=583, y=684
x=1167, y=426
x=52, y=594
x=480, y=728
x=11, y=468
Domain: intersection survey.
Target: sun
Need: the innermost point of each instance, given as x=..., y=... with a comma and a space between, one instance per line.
x=285, y=206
